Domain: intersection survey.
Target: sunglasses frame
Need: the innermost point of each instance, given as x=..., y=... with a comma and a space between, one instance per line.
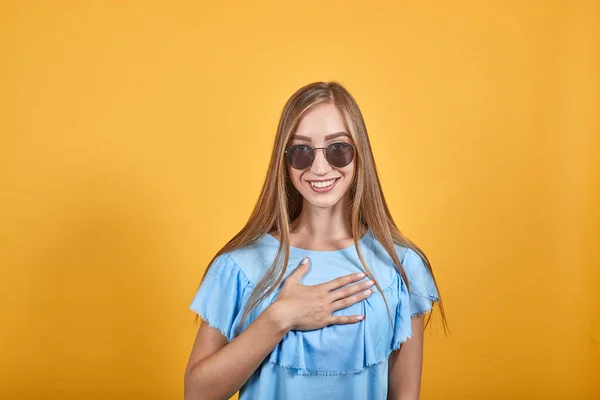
x=321, y=148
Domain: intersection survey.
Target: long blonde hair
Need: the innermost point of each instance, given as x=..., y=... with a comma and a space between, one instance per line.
x=280, y=203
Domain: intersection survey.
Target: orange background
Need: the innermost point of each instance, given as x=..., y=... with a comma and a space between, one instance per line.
x=135, y=137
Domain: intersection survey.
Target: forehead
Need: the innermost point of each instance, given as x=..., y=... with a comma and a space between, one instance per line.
x=321, y=121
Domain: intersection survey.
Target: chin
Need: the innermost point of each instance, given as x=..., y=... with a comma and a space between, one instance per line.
x=323, y=203
x=322, y=200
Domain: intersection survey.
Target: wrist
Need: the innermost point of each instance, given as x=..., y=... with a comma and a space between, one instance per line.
x=276, y=314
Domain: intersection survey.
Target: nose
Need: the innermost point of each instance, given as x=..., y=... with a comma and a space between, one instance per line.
x=320, y=165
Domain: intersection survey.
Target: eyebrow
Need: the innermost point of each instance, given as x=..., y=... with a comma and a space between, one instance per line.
x=328, y=137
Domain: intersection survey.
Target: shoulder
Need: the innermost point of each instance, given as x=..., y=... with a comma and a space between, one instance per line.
x=381, y=262
x=402, y=252
x=411, y=262
x=422, y=286
x=252, y=261
x=408, y=257
x=225, y=271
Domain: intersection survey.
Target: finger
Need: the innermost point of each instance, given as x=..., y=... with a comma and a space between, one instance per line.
x=300, y=271
x=348, y=301
x=350, y=290
x=345, y=319
x=342, y=281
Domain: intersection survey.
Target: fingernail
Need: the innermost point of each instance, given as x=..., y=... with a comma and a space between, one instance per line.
x=305, y=260
x=360, y=317
x=368, y=292
x=370, y=283
x=360, y=275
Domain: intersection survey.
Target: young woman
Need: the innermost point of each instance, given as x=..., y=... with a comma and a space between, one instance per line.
x=319, y=296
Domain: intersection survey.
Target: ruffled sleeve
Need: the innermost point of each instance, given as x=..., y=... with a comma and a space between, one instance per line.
x=422, y=290
x=222, y=295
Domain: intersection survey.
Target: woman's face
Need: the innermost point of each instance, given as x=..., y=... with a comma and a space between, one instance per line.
x=322, y=184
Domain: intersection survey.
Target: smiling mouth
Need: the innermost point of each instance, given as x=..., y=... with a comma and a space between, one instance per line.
x=323, y=184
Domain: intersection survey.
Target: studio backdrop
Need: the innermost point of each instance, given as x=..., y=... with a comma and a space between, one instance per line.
x=135, y=137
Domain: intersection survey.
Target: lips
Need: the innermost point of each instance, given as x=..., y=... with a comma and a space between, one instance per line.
x=323, y=185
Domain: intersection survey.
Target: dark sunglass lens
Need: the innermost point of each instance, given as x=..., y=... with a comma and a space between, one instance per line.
x=340, y=154
x=300, y=156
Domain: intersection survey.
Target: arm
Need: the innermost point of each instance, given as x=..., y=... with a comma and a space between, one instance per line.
x=216, y=369
x=405, y=365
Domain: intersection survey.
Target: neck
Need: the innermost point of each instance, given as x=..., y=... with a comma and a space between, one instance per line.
x=324, y=222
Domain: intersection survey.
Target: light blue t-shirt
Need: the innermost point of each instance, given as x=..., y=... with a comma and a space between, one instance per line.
x=345, y=362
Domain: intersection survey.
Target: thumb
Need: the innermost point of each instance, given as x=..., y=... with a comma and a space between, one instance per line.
x=301, y=270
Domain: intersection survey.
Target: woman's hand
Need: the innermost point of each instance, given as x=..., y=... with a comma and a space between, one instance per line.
x=304, y=308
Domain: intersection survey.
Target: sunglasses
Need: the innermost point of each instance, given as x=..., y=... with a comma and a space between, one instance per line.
x=338, y=154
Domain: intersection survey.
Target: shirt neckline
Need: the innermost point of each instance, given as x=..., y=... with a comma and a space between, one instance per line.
x=275, y=241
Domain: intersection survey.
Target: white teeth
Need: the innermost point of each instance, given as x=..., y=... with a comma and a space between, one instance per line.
x=322, y=184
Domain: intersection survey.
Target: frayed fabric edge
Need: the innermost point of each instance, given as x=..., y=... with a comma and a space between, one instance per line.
x=306, y=372
x=399, y=343
x=210, y=323
x=422, y=313
x=303, y=371
x=433, y=299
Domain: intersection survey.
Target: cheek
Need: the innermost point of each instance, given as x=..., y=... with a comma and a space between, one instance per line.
x=349, y=176
x=349, y=171
x=294, y=175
